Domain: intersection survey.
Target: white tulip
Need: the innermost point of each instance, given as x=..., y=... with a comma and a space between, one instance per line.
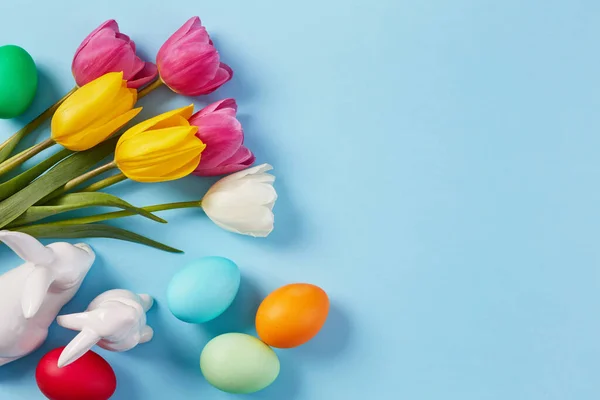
x=243, y=202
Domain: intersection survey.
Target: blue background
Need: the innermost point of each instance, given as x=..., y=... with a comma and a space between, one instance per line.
x=437, y=166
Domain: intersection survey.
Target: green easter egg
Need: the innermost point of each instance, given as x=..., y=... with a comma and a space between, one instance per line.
x=239, y=363
x=18, y=81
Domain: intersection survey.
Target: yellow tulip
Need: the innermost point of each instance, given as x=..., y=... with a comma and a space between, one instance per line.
x=94, y=112
x=160, y=149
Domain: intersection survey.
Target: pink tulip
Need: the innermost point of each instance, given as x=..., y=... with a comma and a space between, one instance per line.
x=108, y=50
x=188, y=62
x=222, y=133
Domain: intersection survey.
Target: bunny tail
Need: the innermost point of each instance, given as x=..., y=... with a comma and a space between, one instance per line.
x=81, y=344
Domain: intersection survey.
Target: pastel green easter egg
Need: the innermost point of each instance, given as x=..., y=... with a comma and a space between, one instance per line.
x=203, y=289
x=18, y=81
x=239, y=363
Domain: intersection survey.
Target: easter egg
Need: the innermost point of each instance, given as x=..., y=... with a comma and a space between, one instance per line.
x=18, y=81
x=292, y=315
x=239, y=363
x=90, y=377
x=204, y=289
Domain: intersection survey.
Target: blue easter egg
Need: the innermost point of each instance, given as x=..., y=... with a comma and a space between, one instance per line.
x=203, y=289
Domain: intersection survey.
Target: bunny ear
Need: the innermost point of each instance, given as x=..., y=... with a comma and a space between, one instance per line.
x=75, y=322
x=81, y=344
x=35, y=290
x=27, y=247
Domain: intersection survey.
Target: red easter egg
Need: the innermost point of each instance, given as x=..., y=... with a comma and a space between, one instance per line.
x=89, y=378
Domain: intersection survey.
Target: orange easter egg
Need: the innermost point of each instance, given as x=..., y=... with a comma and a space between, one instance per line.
x=292, y=315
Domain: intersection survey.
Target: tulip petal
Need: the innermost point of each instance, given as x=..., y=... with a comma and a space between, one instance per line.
x=188, y=62
x=88, y=138
x=123, y=102
x=81, y=108
x=184, y=112
x=224, y=184
x=243, y=202
x=262, y=178
x=228, y=106
x=102, y=127
x=190, y=68
x=193, y=26
x=160, y=149
x=242, y=159
x=144, y=76
x=110, y=24
x=224, y=75
x=157, y=142
x=247, y=193
x=242, y=156
x=105, y=50
x=219, y=128
x=185, y=170
x=161, y=154
x=223, y=135
x=107, y=55
x=258, y=169
x=175, y=120
x=253, y=220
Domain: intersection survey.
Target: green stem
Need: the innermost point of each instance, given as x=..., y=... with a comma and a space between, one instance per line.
x=78, y=181
x=9, y=144
x=106, y=182
x=121, y=214
x=25, y=155
x=145, y=91
x=89, y=175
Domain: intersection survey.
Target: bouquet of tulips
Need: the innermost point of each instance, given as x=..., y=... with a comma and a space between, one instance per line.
x=88, y=122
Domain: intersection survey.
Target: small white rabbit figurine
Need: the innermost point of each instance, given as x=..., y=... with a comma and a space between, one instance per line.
x=115, y=320
x=32, y=294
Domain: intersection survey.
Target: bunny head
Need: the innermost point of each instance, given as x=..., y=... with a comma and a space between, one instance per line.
x=60, y=265
x=114, y=321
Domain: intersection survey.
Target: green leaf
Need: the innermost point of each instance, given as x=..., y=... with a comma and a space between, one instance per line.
x=76, y=201
x=12, y=142
x=17, y=183
x=45, y=231
x=69, y=168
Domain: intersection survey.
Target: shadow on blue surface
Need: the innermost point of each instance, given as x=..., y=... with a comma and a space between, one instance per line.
x=240, y=86
x=47, y=94
x=287, y=385
x=166, y=347
x=333, y=338
x=125, y=391
x=239, y=317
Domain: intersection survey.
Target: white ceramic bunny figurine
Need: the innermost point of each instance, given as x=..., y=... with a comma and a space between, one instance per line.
x=115, y=320
x=32, y=294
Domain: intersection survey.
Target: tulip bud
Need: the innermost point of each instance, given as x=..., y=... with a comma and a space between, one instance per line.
x=160, y=149
x=243, y=202
x=188, y=62
x=94, y=112
x=106, y=49
x=222, y=133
